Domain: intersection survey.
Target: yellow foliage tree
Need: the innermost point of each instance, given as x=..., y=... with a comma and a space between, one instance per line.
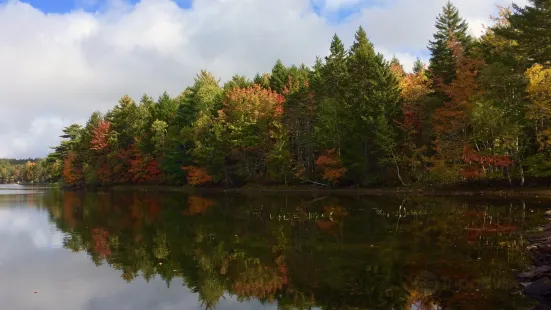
x=539, y=111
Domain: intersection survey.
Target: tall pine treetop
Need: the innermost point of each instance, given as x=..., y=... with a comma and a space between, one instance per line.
x=449, y=25
x=530, y=27
x=361, y=40
x=418, y=66
x=333, y=72
x=337, y=48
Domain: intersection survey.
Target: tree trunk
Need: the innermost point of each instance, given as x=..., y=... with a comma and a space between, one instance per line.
x=398, y=169
x=521, y=176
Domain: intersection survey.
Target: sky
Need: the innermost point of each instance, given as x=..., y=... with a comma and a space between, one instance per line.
x=62, y=60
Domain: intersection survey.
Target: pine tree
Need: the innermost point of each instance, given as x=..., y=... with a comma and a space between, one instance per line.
x=372, y=92
x=418, y=66
x=279, y=77
x=449, y=26
x=330, y=86
x=334, y=70
x=530, y=27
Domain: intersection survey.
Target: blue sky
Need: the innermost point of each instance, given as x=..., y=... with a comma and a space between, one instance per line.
x=65, y=6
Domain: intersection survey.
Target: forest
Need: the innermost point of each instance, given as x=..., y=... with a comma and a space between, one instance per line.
x=478, y=113
x=26, y=171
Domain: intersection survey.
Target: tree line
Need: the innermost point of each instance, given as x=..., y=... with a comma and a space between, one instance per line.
x=479, y=112
x=27, y=171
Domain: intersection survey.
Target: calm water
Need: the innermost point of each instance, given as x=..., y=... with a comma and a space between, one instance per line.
x=137, y=250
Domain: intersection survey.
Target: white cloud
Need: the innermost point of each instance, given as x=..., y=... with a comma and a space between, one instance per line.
x=58, y=68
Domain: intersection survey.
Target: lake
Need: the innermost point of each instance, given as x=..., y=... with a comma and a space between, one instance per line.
x=147, y=250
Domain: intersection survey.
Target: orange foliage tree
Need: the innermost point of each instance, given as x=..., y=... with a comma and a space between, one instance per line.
x=253, y=103
x=451, y=122
x=452, y=119
x=197, y=175
x=72, y=173
x=331, y=165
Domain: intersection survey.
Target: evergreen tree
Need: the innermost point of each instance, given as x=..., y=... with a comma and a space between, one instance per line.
x=279, y=77
x=262, y=79
x=372, y=92
x=237, y=81
x=530, y=27
x=331, y=89
x=334, y=70
x=449, y=25
x=418, y=66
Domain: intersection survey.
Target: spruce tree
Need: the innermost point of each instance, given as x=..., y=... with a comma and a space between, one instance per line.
x=449, y=25
x=334, y=70
x=279, y=77
x=418, y=66
x=330, y=86
x=372, y=93
x=530, y=28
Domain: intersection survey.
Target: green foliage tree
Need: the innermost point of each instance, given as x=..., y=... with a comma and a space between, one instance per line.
x=530, y=28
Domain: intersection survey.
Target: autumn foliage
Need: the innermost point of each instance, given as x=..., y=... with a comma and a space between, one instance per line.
x=453, y=117
x=72, y=173
x=352, y=115
x=331, y=166
x=144, y=169
x=197, y=176
x=100, y=136
x=478, y=165
x=253, y=103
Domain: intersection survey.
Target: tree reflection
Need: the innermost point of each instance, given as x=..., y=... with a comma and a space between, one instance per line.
x=304, y=252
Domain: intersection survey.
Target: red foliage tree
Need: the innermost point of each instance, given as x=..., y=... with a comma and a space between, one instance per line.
x=100, y=133
x=479, y=164
x=144, y=169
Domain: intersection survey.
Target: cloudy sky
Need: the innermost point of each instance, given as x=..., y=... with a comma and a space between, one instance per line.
x=61, y=60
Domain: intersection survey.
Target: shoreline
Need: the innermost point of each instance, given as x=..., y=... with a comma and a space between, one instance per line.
x=472, y=192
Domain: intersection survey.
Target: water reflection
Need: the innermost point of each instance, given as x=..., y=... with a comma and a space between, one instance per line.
x=296, y=252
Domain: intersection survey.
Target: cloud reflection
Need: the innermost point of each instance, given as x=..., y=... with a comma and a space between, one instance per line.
x=32, y=259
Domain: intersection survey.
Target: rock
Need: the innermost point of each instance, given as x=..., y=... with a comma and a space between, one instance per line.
x=548, y=213
x=533, y=274
x=541, y=239
x=539, y=288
